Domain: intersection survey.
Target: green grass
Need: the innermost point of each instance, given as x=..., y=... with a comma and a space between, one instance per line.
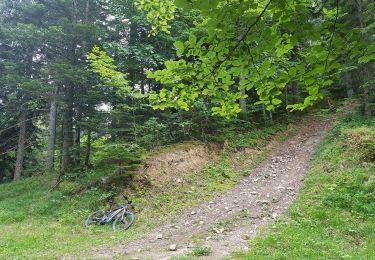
x=35, y=223
x=195, y=254
x=334, y=215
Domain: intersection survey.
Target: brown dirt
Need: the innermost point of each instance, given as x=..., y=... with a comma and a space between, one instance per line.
x=226, y=223
x=177, y=163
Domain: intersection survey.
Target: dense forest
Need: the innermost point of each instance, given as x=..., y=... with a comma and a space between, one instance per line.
x=80, y=79
x=89, y=89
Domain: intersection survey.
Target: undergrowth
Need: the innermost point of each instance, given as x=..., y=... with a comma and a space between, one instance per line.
x=334, y=215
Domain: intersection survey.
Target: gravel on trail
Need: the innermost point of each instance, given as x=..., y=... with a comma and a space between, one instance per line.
x=226, y=223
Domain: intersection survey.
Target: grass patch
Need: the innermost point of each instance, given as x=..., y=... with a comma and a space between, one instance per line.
x=196, y=253
x=201, y=251
x=334, y=215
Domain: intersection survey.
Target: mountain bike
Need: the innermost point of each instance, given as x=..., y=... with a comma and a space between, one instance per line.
x=122, y=215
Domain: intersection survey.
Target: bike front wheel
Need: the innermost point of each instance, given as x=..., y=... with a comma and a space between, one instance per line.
x=124, y=221
x=95, y=218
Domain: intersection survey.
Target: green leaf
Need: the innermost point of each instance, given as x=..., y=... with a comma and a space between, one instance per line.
x=276, y=101
x=293, y=71
x=192, y=39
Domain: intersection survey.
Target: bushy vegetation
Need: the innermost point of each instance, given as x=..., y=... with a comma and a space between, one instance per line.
x=334, y=216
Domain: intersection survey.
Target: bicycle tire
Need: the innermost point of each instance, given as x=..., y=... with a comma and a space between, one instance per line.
x=95, y=218
x=124, y=220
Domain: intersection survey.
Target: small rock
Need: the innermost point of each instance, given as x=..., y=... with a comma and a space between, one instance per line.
x=246, y=237
x=201, y=222
x=274, y=215
x=139, y=250
x=218, y=230
x=135, y=258
x=208, y=238
x=159, y=236
x=211, y=202
x=193, y=213
x=179, y=180
x=235, y=202
x=173, y=247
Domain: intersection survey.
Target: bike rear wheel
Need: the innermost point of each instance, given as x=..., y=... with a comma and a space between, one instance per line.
x=95, y=218
x=123, y=221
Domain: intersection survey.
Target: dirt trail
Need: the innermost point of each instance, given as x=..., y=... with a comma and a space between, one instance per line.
x=227, y=223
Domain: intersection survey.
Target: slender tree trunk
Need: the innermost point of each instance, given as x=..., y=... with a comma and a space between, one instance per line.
x=67, y=150
x=21, y=146
x=286, y=99
x=264, y=113
x=77, y=140
x=364, y=70
x=366, y=94
x=349, y=85
x=143, y=84
x=51, y=135
x=271, y=116
x=87, y=11
x=243, y=104
x=296, y=93
x=242, y=101
x=88, y=149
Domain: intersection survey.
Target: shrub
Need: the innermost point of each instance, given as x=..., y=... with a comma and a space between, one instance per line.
x=121, y=155
x=362, y=139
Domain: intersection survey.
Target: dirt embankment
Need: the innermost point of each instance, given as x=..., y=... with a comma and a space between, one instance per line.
x=177, y=163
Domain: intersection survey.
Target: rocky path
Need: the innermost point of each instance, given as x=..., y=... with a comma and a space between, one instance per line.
x=228, y=222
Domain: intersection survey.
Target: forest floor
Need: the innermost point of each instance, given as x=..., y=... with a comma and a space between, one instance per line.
x=224, y=224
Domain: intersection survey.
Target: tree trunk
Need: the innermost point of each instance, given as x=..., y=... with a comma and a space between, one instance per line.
x=88, y=149
x=271, y=116
x=67, y=150
x=264, y=113
x=243, y=104
x=21, y=146
x=296, y=93
x=51, y=136
x=87, y=11
x=366, y=93
x=286, y=99
x=364, y=70
x=77, y=139
x=349, y=85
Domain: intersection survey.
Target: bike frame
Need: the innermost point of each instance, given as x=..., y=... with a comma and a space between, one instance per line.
x=116, y=212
